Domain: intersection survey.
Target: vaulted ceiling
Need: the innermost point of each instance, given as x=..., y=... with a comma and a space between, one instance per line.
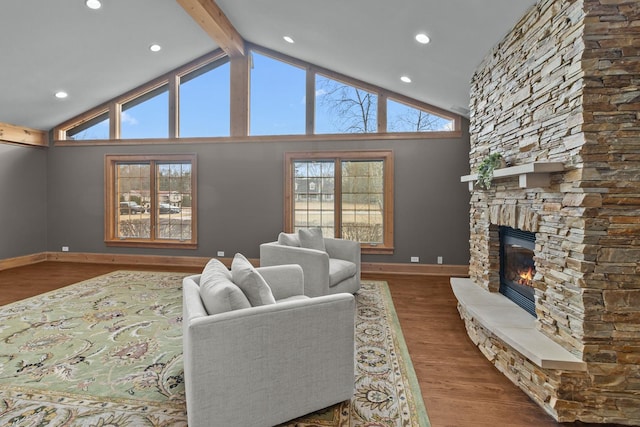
x=94, y=55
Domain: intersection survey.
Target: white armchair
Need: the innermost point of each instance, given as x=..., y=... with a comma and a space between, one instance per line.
x=264, y=365
x=333, y=270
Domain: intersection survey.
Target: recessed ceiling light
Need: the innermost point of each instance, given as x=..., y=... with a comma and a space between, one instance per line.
x=423, y=38
x=405, y=79
x=61, y=94
x=93, y=4
x=288, y=39
x=155, y=48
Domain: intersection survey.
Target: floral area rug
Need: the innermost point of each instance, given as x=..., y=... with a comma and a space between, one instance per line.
x=108, y=352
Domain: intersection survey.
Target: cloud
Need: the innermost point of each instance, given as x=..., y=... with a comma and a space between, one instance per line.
x=319, y=93
x=128, y=119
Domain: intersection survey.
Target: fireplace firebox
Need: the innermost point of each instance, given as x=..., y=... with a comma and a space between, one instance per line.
x=517, y=267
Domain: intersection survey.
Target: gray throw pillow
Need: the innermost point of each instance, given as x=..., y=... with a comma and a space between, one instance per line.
x=311, y=238
x=217, y=291
x=251, y=282
x=288, y=239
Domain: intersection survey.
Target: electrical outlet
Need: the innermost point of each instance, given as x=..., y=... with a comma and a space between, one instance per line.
x=415, y=259
x=439, y=260
x=65, y=249
x=220, y=253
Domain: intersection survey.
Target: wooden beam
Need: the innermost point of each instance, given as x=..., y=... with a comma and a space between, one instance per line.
x=22, y=135
x=239, y=92
x=215, y=23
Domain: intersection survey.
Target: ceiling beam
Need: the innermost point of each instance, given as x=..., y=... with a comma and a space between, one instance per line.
x=21, y=135
x=215, y=23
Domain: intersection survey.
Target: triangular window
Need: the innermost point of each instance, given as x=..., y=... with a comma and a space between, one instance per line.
x=405, y=118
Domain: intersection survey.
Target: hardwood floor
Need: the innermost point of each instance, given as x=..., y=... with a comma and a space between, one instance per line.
x=460, y=387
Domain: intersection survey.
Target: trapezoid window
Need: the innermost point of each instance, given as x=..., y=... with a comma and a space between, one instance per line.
x=204, y=101
x=146, y=116
x=342, y=108
x=278, y=90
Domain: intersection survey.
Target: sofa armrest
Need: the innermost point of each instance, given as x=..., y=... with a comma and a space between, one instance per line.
x=314, y=263
x=268, y=356
x=192, y=305
x=284, y=280
x=347, y=250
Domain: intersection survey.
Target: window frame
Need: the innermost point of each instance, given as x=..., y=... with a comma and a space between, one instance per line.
x=111, y=205
x=239, y=109
x=387, y=246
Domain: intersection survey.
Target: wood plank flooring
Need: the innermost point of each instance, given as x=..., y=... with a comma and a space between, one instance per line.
x=460, y=387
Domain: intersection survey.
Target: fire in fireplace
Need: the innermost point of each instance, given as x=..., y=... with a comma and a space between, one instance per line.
x=517, y=267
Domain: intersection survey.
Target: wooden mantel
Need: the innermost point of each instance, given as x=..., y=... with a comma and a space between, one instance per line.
x=530, y=175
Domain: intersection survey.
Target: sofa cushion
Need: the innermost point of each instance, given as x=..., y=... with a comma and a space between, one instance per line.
x=289, y=239
x=218, y=293
x=339, y=270
x=251, y=282
x=311, y=238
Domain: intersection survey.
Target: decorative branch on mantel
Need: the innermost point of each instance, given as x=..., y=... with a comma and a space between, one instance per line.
x=530, y=175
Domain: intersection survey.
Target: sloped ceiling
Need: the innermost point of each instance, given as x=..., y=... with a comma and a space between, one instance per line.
x=95, y=55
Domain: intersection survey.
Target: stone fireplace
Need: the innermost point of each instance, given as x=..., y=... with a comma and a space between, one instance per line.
x=559, y=98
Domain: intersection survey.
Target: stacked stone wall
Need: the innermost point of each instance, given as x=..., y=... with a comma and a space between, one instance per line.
x=611, y=158
x=564, y=86
x=527, y=105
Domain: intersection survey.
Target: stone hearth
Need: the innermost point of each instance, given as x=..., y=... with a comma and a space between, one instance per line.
x=563, y=88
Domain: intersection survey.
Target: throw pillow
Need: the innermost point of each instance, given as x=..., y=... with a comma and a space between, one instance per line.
x=217, y=291
x=311, y=238
x=251, y=282
x=288, y=239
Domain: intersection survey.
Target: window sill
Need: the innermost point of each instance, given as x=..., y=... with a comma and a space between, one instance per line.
x=376, y=249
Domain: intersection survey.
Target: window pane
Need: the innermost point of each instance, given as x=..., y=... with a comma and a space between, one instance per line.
x=146, y=116
x=278, y=91
x=133, y=197
x=403, y=118
x=96, y=128
x=204, y=102
x=341, y=108
x=314, y=190
x=173, y=196
x=363, y=201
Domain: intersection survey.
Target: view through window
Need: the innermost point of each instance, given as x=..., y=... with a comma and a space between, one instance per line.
x=285, y=97
x=347, y=194
x=151, y=201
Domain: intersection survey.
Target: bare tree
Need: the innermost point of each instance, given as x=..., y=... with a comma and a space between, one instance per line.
x=416, y=120
x=352, y=110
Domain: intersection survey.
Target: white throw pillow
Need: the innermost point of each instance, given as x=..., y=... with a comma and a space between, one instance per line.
x=251, y=282
x=218, y=293
x=311, y=238
x=288, y=239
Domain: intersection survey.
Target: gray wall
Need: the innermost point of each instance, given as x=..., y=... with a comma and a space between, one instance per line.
x=23, y=200
x=240, y=196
